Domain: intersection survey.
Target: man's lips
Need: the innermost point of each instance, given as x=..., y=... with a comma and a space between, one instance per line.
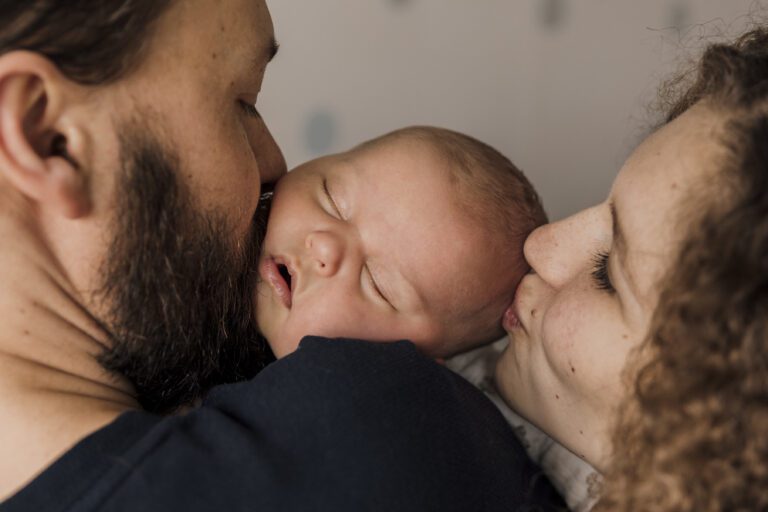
x=270, y=272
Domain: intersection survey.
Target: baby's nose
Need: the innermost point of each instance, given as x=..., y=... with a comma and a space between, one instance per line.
x=326, y=250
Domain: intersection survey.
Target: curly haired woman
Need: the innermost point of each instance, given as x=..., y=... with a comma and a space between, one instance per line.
x=640, y=338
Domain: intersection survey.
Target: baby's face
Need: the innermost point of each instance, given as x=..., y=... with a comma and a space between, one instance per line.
x=372, y=245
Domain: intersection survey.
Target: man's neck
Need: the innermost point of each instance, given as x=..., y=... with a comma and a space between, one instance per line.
x=53, y=392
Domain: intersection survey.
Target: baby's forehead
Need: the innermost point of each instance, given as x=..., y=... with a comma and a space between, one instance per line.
x=394, y=145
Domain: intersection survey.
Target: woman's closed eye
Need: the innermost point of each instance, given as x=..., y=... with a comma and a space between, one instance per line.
x=600, y=274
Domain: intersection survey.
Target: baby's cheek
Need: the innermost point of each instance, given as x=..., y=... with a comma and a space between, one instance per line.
x=333, y=319
x=283, y=344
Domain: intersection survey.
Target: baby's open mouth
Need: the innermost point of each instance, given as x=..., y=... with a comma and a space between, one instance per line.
x=285, y=274
x=278, y=275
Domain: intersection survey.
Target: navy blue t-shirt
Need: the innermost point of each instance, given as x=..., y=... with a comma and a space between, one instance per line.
x=338, y=425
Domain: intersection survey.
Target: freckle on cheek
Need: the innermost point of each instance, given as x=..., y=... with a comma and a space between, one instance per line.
x=533, y=313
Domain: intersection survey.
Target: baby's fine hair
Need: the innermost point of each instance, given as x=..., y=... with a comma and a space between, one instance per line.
x=491, y=188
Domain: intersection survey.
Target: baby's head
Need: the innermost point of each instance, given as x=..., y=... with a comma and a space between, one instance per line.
x=415, y=235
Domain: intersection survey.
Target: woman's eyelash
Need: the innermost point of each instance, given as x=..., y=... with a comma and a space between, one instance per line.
x=249, y=109
x=600, y=272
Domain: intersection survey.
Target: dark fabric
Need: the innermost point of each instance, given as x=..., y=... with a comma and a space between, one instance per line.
x=338, y=425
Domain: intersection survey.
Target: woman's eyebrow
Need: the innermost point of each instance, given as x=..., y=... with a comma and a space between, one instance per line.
x=620, y=245
x=618, y=232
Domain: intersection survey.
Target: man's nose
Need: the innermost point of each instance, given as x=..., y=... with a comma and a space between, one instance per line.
x=560, y=251
x=326, y=252
x=271, y=160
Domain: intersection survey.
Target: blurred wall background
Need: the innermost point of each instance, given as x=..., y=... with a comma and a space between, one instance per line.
x=559, y=86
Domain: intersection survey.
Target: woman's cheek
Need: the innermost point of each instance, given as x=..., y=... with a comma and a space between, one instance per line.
x=569, y=335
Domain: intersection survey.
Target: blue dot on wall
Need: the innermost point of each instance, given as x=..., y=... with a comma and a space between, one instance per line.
x=679, y=15
x=320, y=132
x=552, y=13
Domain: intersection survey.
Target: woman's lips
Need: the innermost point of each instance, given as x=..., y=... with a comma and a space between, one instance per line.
x=269, y=271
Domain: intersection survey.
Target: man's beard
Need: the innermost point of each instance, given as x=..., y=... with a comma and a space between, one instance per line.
x=178, y=285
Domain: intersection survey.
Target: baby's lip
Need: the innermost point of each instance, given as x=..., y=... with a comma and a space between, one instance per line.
x=511, y=319
x=270, y=272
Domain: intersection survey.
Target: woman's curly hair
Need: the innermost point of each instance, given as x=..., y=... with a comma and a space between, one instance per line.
x=695, y=434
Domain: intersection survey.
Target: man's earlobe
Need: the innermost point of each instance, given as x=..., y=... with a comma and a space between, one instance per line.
x=34, y=137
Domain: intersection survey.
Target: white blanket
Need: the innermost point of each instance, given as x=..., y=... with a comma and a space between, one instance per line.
x=570, y=475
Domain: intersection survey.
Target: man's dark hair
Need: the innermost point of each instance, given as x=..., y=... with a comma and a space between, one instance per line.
x=91, y=41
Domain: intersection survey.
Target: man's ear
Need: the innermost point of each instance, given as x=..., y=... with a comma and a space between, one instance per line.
x=37, y=135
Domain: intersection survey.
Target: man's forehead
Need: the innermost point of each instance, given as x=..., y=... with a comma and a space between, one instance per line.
x=238, y=27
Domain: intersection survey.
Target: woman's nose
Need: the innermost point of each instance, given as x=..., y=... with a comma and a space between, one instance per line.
x=562, y=250
x=326, y=252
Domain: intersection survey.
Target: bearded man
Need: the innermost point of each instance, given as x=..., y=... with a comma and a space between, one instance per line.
x=132, y=156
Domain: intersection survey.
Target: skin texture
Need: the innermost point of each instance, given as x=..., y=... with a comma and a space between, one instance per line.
x=563, y=367
x=379, y=225
x=206, y=58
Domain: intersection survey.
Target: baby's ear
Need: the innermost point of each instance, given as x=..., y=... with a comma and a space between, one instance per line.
x=37, y=134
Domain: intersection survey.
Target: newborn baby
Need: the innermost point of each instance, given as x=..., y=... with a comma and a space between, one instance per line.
x=415, y=235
